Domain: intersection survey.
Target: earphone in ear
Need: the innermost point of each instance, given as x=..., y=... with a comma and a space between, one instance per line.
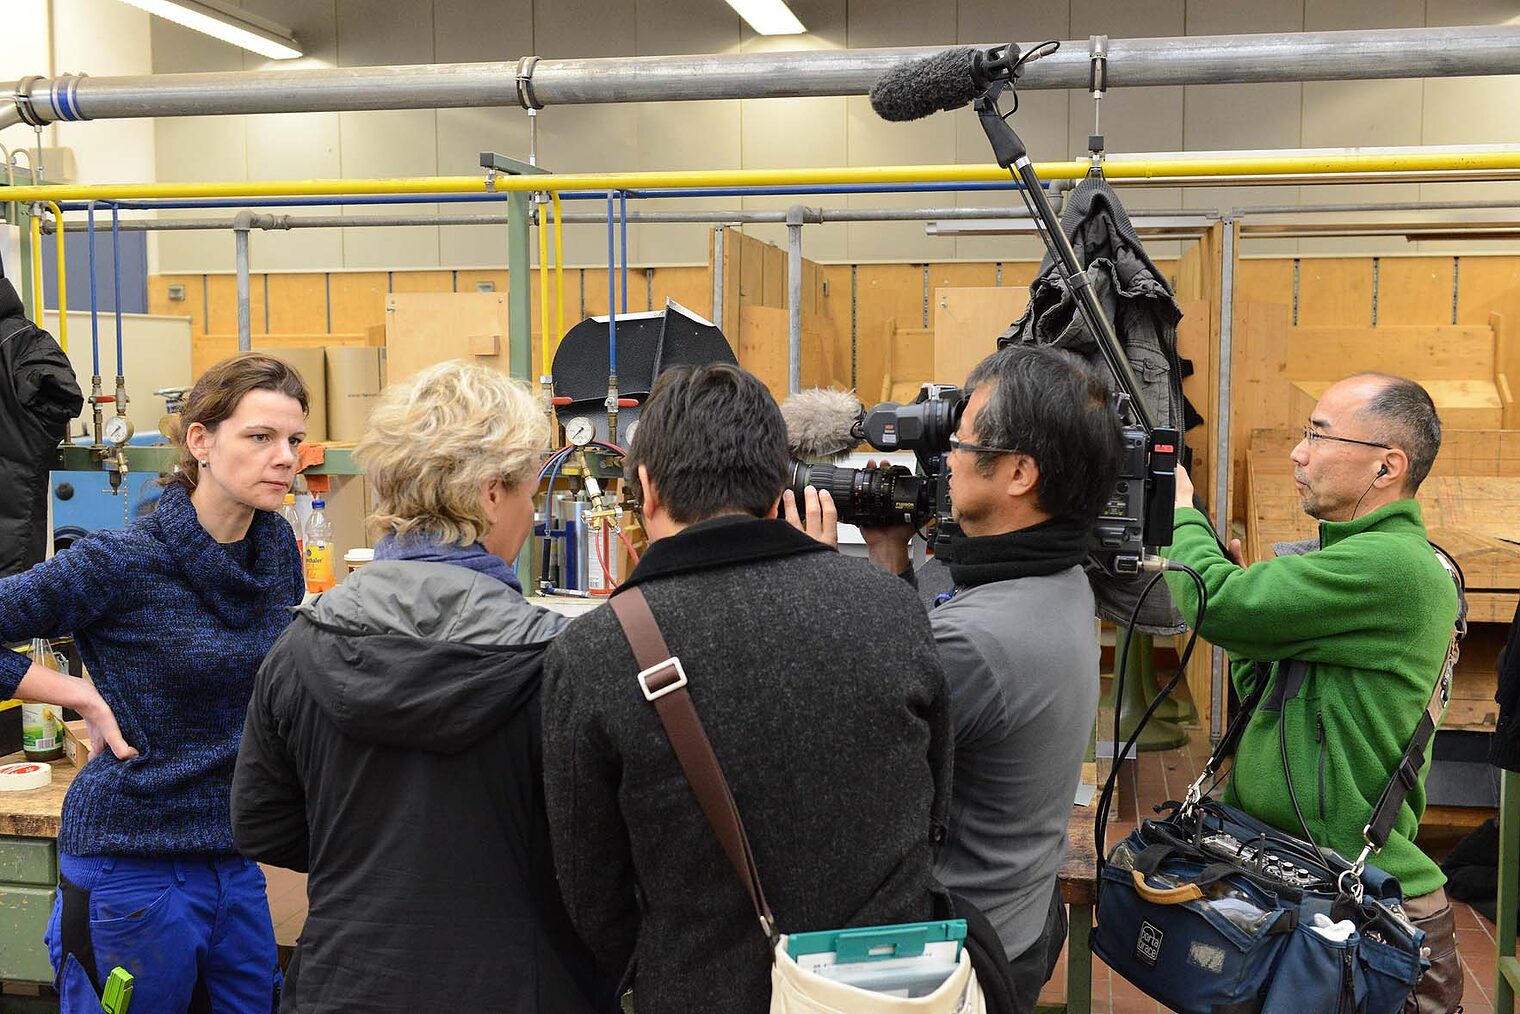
x=1382, y=471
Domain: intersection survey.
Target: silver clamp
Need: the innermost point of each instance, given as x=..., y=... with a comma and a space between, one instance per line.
x=525, y=96
x=23, y=96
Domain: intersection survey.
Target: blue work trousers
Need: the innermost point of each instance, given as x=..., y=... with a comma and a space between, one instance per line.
x=194, y=932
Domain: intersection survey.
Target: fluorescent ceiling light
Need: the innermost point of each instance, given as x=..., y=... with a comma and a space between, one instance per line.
x=768, y=17
x=222, y=21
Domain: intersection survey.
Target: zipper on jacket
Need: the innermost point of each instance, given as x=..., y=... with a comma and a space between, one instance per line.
x=1319, y=737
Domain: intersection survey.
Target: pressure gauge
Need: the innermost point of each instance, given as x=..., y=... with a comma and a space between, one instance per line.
x=580, y=431
x=633, y=428
x=118, y=430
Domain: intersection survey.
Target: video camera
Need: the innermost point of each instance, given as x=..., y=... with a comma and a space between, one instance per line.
x=1137, y=513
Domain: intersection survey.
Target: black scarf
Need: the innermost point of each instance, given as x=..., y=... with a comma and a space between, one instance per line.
x=1046, y=548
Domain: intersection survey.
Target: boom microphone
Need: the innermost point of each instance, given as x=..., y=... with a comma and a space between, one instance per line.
x=820, y=424
x=943, y=81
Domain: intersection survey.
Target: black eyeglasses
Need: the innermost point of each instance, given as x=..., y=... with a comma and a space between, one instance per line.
x=1313, y=436
x=957, y=444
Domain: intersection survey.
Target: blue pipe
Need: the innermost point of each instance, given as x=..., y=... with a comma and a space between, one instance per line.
x=121, y=361
x=623, y=240
x=572, y=195
x=611, y=291
x=94, y=310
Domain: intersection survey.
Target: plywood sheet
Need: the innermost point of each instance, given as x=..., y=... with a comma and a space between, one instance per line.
x=967, y=322
x=192, y=306
x=690, y=286
x=356, y=299
x=1265, y=280
x=422, y=281
x=1414, y=290
x=221, y=300
x=1430, y=352
x=961, y=274
x=762, y=350
x=1461, y=404
x=1335, y=291
x=835, y=306
x=423, y=328
x=297, y=303
x=884, y=292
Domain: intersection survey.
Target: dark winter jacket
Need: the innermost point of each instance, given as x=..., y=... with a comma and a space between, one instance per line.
x=1504, y=747
x=38, y=397
x=392, y=751
x=819, y=686
x=1138, y=302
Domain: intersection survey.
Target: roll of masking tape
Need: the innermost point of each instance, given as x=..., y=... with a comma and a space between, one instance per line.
x=27, y=775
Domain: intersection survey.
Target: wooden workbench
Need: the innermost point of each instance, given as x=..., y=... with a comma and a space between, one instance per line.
x=29, y=872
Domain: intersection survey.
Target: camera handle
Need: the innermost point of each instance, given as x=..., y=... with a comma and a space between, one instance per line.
x=1011, y=154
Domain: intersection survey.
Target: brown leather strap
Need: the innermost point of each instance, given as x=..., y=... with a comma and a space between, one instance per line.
x=663, y=682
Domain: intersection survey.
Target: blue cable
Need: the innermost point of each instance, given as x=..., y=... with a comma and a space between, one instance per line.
x=623, y=240
x=116, y=282
x=94, y=310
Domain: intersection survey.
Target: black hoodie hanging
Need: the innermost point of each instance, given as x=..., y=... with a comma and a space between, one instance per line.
x=38, y=397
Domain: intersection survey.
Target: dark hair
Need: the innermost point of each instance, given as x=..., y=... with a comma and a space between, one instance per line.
x=713, y=441
x=1403, y=415
x=216, y=396
x=1052, y=406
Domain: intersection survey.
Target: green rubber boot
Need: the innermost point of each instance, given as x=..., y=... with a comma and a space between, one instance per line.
x=1140, y=673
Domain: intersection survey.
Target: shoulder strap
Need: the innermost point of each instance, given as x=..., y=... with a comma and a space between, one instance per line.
x=663, y=683
x=1406, y=774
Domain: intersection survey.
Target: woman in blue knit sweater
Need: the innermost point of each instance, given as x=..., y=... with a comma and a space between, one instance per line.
x=172, y=616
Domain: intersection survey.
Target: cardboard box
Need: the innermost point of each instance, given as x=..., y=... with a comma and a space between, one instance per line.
x=311, y=364
x=355, y=378
x=76, y=743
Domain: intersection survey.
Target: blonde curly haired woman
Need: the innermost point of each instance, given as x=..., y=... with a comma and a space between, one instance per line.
x=392, y=746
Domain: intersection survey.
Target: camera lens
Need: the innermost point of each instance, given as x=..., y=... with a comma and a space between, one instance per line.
x=886, y=495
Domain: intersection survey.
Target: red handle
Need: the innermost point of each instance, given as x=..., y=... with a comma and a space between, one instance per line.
x=559, y=402
x=628, y=403
x=104, y=399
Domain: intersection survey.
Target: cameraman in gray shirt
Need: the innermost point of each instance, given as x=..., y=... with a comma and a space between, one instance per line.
x=1036, y=454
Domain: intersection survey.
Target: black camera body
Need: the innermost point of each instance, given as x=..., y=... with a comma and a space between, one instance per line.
x=893, y=494
x=1136, y=515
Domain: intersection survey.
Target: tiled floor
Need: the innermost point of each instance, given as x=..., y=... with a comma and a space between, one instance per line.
x=1155, y=777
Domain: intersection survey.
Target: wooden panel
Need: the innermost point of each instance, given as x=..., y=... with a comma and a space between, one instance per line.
x=221, y=302
x=1265, y=281
x=297, y=303
x=468, y=281
x=1421, y=353
x=192, y=306
x=1335, y=291
x=774, y=283
x=910, y=362
x=762, y=350
x=833, y=322
x=1017, y=273
x=960, y=275
x=884, y=292
x=1488, y=285
x=1193, y=345
x=1414, y=290
x=595, y=287
x=357, y=299
x=422, y=281
x=967, y=322
x=1259, y=378
x=689, y=286
x=423, y=328
x=207, y=350
x=1461, y=404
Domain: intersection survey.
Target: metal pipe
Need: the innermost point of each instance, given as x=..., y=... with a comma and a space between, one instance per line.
x=717, y=273
x=1312, y=209
x=1396, y=166
x=794, y=220
x=532, y=82
x=1222, y=464
x=735, y=217
x=240, y=228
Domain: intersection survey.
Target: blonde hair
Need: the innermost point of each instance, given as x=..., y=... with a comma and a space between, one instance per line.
x=434, y=440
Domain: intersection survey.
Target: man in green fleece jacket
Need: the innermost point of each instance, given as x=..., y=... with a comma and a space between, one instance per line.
x=1371, y=613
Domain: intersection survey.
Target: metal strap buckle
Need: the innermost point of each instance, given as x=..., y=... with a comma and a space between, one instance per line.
x=660, y=690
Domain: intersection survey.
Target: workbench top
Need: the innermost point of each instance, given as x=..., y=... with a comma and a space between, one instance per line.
x=34, y=813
